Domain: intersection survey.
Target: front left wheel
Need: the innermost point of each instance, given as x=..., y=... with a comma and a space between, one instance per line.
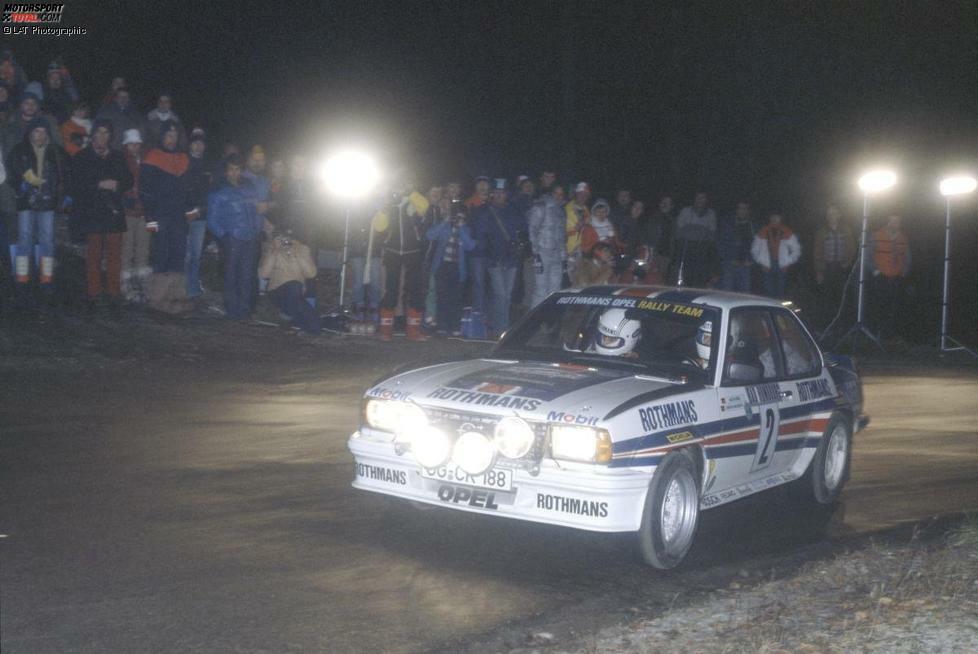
x=829, y=469
x=672, y=508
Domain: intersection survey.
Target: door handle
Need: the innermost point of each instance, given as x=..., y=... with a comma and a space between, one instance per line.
x=785, y=395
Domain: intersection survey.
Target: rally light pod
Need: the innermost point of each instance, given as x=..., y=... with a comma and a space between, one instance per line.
x=474, y=453
x=514, y=437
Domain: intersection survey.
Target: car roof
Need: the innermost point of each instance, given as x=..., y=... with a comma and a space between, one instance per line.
x=725, y=300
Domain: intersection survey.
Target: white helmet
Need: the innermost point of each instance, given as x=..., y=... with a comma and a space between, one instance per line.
x=704, y=341
x=617, y=335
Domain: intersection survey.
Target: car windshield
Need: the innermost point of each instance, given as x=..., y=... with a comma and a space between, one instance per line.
x=620, y=331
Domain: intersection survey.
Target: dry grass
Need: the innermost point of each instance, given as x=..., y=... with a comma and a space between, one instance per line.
x=917, y=596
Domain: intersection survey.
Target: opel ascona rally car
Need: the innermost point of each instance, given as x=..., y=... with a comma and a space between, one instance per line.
x=619, y=409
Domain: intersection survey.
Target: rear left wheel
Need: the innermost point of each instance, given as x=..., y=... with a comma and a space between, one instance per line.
x=671, y=512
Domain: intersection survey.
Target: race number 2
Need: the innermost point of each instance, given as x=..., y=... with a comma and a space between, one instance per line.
x=768, y=439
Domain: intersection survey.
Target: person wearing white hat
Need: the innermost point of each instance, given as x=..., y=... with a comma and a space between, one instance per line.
x=136, y=238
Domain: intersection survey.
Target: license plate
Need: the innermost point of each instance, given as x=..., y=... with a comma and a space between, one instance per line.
x=496, y=479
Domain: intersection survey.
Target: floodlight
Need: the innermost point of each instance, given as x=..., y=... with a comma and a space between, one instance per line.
x=958, y=185
x=876, y=181
x=350, y=174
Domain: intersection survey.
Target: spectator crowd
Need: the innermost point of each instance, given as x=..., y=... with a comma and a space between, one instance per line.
x=144, y=196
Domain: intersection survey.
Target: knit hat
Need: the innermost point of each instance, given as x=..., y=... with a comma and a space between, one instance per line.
x=131, y=136
x=601, y=202
x=198, y=134
x=35, y=89
x=29, y=95
x=35, y=123
x=582, y=186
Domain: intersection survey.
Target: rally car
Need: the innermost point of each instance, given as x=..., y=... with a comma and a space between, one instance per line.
x=619, y=409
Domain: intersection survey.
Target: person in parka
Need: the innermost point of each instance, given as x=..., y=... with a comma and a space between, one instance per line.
x=548, y=237
x=99, y=179
x=164, y=193
x=37, y=171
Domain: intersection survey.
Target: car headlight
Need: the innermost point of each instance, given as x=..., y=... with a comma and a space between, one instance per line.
x=381, y=414
x=473, y=453
x=431, y=447
x=514, y=437
x=403, y=418
x=580, y=443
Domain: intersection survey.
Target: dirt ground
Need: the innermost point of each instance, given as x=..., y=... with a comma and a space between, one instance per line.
x=182, y=484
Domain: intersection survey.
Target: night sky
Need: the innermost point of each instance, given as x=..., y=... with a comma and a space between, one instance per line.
x=779, y=102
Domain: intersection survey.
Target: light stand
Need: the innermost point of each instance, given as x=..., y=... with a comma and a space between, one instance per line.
x=871, y=182
x=950, y=187
x=349, y=175
x=346, y=250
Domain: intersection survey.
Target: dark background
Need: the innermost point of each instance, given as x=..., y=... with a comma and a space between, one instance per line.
x=779, y=102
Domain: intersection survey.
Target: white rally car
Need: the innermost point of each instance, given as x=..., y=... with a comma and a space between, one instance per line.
x=619, y=409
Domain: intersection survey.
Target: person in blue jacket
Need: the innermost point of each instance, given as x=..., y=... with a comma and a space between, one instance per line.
x=451, y=239
x=232, y=216
x=499, y=228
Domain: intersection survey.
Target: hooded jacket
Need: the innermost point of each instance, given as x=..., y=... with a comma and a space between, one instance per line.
x=50, y=179
x=548, y=228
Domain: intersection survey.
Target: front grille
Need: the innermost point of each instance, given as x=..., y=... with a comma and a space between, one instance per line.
x=455, y=422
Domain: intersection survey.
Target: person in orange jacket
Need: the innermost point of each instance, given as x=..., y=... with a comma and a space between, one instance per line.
x=890, y=260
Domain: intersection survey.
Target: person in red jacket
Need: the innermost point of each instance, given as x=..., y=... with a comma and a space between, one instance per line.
x=890, y=260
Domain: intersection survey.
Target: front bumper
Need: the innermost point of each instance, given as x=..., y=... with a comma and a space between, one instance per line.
x=594, y=498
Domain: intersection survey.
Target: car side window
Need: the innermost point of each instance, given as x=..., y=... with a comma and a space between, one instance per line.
x=799, y=353
x=753, y=353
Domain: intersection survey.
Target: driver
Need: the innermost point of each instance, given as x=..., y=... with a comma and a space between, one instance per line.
x=617, y=334
x=704, y=343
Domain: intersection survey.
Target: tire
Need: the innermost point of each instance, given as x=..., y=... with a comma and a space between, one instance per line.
x=671, y=514
x=829, y=470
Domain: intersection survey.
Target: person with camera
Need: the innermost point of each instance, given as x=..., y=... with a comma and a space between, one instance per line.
x=36, y=170
x=451, y=239
x=100, y=177
x=500, y=230
x=287, y=264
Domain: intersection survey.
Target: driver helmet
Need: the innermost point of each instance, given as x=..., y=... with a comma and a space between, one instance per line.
x=617, y=335
x=704, y=341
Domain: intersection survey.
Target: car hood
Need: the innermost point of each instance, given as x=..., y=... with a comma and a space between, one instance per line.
x=535, y=390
